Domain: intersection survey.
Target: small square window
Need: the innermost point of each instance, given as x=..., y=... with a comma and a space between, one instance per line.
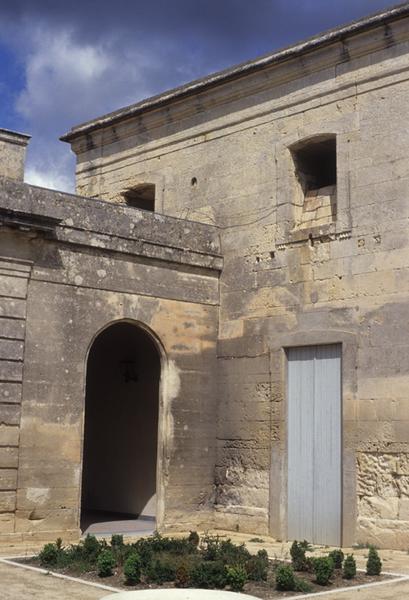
x=141, y=196
x=315, y=162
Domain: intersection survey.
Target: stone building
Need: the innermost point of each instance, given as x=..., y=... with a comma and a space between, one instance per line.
x=214, y=333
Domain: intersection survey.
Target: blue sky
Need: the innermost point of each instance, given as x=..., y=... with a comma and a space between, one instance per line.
x=63, y=63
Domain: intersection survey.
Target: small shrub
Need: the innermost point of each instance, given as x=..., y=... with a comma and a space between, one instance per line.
x=209, y=575
x=349, y=568
x=374, y=563
x=49, y=555
x=92, y=548
x=117, y=541
x=337, y=557
x=309, y=564
x=236, y=578
x=143, y=548
x=147, y=547
x=258, y=540
x=194, y=538
x=210, y=547
x=105, y=563
x=298, y=558
x=120, y=550
x=182, y=577
x=132, y=569
x=323, y=569
x=301, y=585
x=58, y=543
x=285, y=578
x=256, y=566
x=233, y=554
x=161, y=570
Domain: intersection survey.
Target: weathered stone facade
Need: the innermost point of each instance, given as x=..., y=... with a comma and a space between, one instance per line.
x=300, y=267
x=72, y=269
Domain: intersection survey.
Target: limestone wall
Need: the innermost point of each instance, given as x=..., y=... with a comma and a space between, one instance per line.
x=14, y=276
x=80, y=281
x=223, y=157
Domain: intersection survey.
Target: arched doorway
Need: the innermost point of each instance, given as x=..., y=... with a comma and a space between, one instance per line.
x=121, y=430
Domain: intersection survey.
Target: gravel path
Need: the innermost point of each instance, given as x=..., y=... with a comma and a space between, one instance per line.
x=21, y=584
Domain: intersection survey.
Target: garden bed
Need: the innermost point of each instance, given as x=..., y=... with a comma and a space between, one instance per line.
x=209, y=563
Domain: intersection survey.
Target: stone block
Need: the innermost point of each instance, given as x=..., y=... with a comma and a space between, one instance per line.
x=12, y=328
x=8, y=479
x=13, y=287
x=404, y=509
x=11, y=371
x=10, y=414
x=8, y=458
x=377, y=507
x=40, y=519
x=10, y=392
x=9, y=435
x=53, y=498
x=11, y=350
x=7, y=522
x=7, y=501
x=46, y=473
x=12, y=307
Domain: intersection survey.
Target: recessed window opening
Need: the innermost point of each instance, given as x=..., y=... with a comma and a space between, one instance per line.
x=141, y=196
x=316, y=163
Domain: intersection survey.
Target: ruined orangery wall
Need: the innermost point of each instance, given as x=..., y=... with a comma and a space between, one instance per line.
x=220, y=154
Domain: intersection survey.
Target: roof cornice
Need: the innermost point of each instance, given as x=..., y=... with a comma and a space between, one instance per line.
x=318, y=41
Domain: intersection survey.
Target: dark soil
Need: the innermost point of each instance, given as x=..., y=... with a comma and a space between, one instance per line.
x=263, y=590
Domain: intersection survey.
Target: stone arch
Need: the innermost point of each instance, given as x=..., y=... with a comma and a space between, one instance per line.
x=123, y=408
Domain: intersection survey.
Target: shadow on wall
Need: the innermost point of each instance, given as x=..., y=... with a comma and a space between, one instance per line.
x=121, y=423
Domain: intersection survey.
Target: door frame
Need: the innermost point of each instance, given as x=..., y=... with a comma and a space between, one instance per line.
x=279, y=434
x=164, y=415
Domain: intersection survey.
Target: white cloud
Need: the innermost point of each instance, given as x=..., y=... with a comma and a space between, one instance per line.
x=66, y=83
x=70, y=77
x=49, y=179
x=62, y=76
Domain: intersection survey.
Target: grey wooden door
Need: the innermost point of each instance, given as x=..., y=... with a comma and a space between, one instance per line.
x=314, y=444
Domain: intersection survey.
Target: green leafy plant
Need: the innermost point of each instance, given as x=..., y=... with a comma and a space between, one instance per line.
x=323, y=569
x=298, y=559
x=182, y=577
x=236, y=577
x=161, y=570
x=232, y=554
x=49, y=555
x=337, y=557
x=132, y=569
x=256, y=566
x=117, y=541
x=285, y=578
x=209, y=574
x=374, y=563
x=194, y=538
x=349, y=568
x=92, y=548
x=301, y=585
x=105, y=563
x=210, y=547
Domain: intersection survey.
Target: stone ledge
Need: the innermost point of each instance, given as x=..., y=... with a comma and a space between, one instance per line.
x=99, y=224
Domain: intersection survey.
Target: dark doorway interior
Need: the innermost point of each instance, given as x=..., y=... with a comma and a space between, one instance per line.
x=121, y=426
